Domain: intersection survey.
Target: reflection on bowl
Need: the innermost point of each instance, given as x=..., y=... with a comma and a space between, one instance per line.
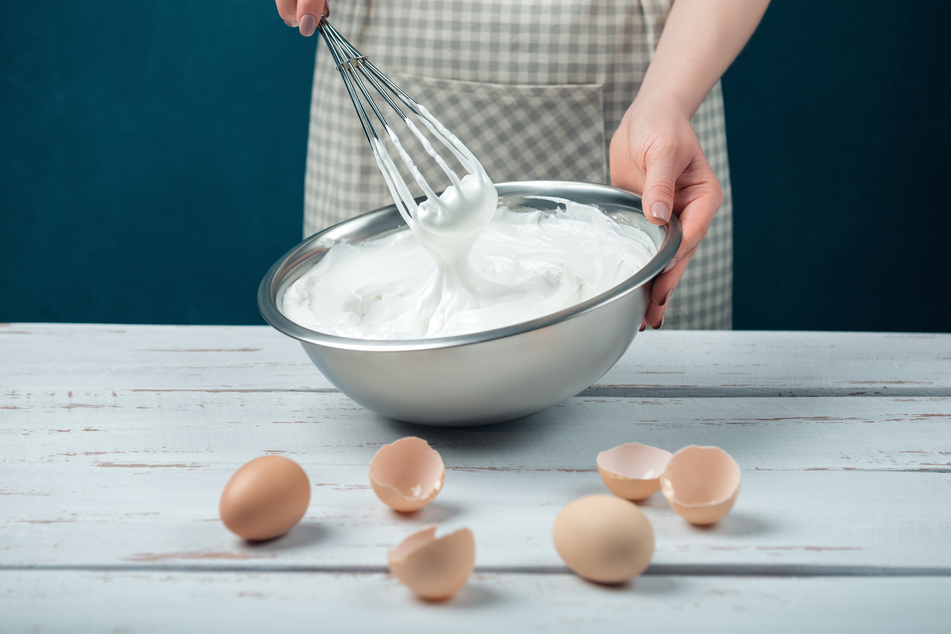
x=489, y=376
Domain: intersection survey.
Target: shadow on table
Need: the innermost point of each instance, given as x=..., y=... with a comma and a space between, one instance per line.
x=474, y=594
x=737, y=525
x=497, y=438
x=433, y=513
x=304, y=534
x=646, y=584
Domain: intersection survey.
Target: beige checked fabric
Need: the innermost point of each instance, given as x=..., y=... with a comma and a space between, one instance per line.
x=534, y=88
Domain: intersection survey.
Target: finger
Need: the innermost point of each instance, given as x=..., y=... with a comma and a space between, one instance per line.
x=701, y=199
x=662, y=292
x=309, y=13
x=704, y=198
x=662, y=169
x=655, y=316
x=287, y=9
x=667, y=281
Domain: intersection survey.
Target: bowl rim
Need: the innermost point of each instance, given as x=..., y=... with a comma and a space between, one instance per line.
x=673, y=235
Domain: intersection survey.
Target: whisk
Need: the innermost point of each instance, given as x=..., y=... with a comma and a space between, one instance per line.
x=470, y=205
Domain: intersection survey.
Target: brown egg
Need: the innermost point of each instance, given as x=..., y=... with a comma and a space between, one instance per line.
x=265, y=498
x=433, y=568
x=633, y=471
x=701, y=484
x=604, y=538
x=407, y=474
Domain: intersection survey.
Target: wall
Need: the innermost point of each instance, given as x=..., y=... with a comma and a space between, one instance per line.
x=153, y=158
x=837, y=118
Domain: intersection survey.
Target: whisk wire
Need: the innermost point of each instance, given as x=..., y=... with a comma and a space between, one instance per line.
x=372, y=73
x=354, y=68
x=342, y=66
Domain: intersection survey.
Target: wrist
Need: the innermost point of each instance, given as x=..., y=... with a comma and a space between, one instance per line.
x=666, y=103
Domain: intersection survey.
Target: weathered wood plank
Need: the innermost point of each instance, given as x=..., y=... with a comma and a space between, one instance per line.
x=133, y=476
x=149, y=510
x=115, y=442
x=674, y=363
x=373, y=602
x=85, y=426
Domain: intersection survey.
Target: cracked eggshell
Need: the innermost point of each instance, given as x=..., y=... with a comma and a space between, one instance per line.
x=701, y=484
x=604, y=538
x=265, y=498
x=633, y=471
x=435, y=569
x=407, y=474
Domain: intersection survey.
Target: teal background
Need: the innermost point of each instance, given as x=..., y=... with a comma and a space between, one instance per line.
x=153, y=162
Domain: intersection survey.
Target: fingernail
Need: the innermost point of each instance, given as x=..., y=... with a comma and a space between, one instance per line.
x=667, y=299
x=660, y=211
x=288, y=23
x=643, y=326
x=662, y=320
x=308, y=24
x=670, y=265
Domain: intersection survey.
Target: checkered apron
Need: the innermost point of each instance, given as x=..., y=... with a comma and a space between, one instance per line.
x=534, y=88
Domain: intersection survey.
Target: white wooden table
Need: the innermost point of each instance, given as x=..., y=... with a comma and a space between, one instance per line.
x=116, y=441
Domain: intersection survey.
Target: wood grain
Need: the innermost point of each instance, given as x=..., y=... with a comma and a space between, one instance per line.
x=166, y=515
x=671, y=363
x=138, y=602
x=819, y=476
x=85, y=426
x=116, y=441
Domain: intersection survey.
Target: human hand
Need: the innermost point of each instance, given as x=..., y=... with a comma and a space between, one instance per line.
x=656, y=153
x=303, y=13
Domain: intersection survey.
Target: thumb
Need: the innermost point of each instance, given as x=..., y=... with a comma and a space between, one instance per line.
x=309, y=13
x=660, y=181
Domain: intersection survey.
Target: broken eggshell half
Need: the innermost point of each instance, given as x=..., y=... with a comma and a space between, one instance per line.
x=407, y=474
x=701, y=484
x=633, y=471
x=435, y=569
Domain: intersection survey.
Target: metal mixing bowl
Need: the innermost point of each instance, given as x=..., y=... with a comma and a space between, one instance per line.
x=489, y=376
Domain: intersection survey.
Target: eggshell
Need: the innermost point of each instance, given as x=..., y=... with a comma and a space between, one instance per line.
x=604, y=538
x=265, y=498
x=701, y=484
x=407, y=474
x=633, y=471
x=433, y=568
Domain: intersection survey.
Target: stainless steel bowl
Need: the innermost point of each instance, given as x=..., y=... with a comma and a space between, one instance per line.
x=483, y=377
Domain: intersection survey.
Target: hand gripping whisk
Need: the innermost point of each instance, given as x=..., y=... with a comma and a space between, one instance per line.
x=472, y=201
